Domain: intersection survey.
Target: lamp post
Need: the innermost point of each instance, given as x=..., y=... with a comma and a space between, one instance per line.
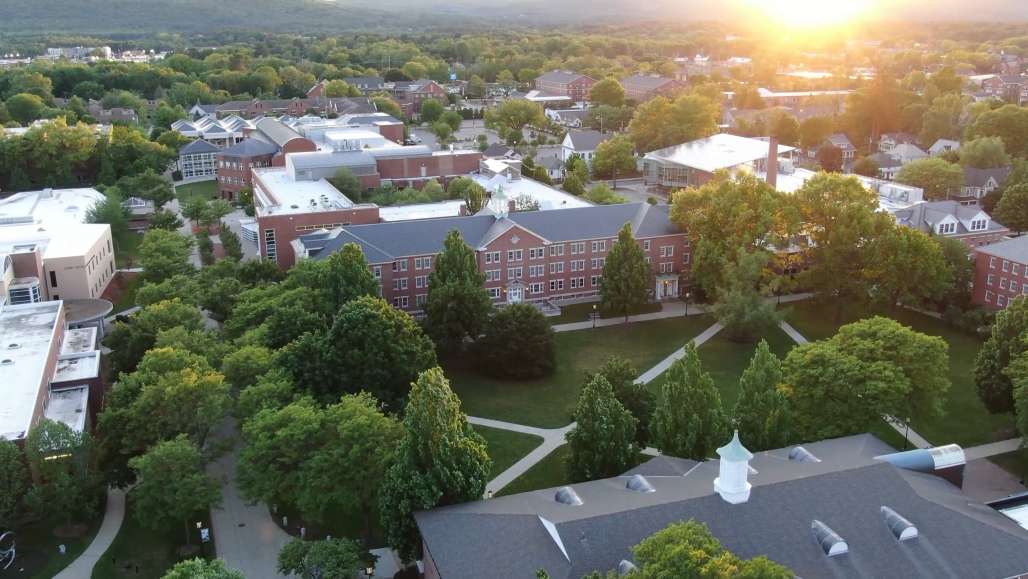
x=594, y=316
x=199, y=530
x=687, y=296
x=369, y=571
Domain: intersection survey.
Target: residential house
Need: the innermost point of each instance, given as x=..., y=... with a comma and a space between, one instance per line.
x=907, y=152
x=297, y=107
x=889, y=141
x=643, y=87
x=583, y=144
x=1001, y=272
x=199, y=111
x=553, y=163
x=969, y=224
x=112, y=115
x=196, y=160
x=941, y=146
x=888, y=165
x=1011, y=88
x=571, y=118
x=366, y=84
x=411, y=94
x=846, y=508
x=565, y=83
x=980, y=182
x=694, y=163
x=531, y=256
x=841, y=142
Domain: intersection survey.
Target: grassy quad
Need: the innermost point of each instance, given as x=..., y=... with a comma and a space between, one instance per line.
x=506, y=447
x=547, y=403
x=206, y=189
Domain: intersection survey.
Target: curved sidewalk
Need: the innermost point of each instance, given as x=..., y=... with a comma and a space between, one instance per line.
x=114, y=515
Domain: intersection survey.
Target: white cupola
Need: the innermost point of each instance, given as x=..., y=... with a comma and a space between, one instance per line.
x=732, y=483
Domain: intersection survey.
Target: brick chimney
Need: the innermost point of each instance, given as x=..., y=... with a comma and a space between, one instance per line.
x=772, y=162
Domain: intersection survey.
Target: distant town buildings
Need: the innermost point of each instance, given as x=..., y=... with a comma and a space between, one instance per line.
x=643, y=87
x=563, y=83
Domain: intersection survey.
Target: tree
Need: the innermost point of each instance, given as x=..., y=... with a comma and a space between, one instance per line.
x=129, y=340
x=958, y=294
x=458, y=306
x=813, y=131
x=216, y=210
x=472, y=193
x=942, y=118
x=761, y=413
x=600, y=194
x=476, y=87
x=829, y=158
x=441, y=130
x=627, y=278
x=431, y=110
x=1005, y=344
x=25, y=108
x=984, y=153
x=325, y=559
x=614, y=156
x=172, y=485
x=278, y=444
x=371, y=346
x=688, y=549
x=204, y=247
x=518, y=343
x=14, y=481
x=660, y=122
x=602, y=444
x=937, y=177
x=1012, y=209
x=607, y=92
x=149, y=186
x=244, y=366
x=166, y=220
x=230, y=243
x=908, y=268
x=165, y=114
x=164, y=254
x=440, y=461
x=61, y=461
x=786, y=128
x=688, y=421
x=866, y=166
x=109, y=210
x=347, y=183
x=453, y=119
x=339, y=88
x=635, y=397
x=195, y=210
x=515, y=115
x=202, y=569
x=740, y=306
x=273, y=390
x=1009, y=123
x=387, y=105
x=572, y=184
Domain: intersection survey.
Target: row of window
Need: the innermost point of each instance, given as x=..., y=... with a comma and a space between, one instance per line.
x=1008, y=266
x=232, y=180
x=534, y=271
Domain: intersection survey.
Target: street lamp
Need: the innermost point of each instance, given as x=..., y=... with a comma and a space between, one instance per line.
x=369, y=571
x=687, y=296
x=594, y=316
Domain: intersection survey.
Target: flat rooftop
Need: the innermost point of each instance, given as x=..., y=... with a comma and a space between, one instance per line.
x=54, y=239
x=27, y=333
x=79, y=341
x=719, y=151
x=892, y=196
x=282, y=195
x=70, y=406
x=547, y=197
x=52, y=207
x=78, y=367
x=420, y=211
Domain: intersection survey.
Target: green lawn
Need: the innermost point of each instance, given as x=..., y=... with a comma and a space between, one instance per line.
x=38, y=545
x=548, y=402
x=205, y=189
x=966, y=421
x=580, y=312
x=140, y=552
x=506, y=447
x=725, y=360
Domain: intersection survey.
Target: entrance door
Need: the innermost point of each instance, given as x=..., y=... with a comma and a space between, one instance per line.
x=515, y=294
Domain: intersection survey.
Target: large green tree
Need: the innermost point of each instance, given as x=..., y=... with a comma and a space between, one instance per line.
x=1009, y=123
x=14, y=481
x=518, y=343
x=688, y=549
x=615, y=156
x=130, y=339
x=984, y=153
x=1005, y=344
x=324, y=559
x=515, y=114
x=908, y=268
x=440, y=461
x=689, y=421
x=607, y=92
x=66, y=484
x=163, y=254
x=636, y=398
x=936, y=176
x=1012, y=209
x=762, y=410
x=202, y=569
x=458, y=305
x=627, y=278
x=661, y=122
x=148, y=185
x=741, y=307
x=173, y=486
x=602, y=443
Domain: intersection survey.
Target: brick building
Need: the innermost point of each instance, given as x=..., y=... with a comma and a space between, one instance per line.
x=565, y=83
x=533, y=256
x=296, y=107
x=1011, y=88
x=411, y=94
x=1001, y=272
x=968, y=223
x=643, y=87
x=196, y=160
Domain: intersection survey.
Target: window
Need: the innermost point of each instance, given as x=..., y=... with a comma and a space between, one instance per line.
x=988, y=296
x=1006, y=265
x=377, y=271
x=492, y=275
x=577, y=247
x=494, y=292
x=946, y=228
x=600, y=245
x=513, y=273
x=988, y=279
x=515, y=254
x=399, y=284
x=401, y=302
x=992, y=263
x=557, y=250
x=685, y=259
x=556, y=284
x=1001, y=300
x=667, y=267
x=536, y=270
x=1015, y=269
x=1013, y=286
x=979, y=224
x=557, y=267
x=578, y=265
x=535, y=288
x=422, y=263
x=1024, y=288
x=598, y=262
x=577, y=282
x=536, y=252
x=646, y=245
x=492, y=257
x=595, y=280
x=667, y=250
x=421, y=282
x=1002, y=283
x=270, y=248
x=420, y=300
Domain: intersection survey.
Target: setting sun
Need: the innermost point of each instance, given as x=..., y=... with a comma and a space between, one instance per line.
x=811, y=13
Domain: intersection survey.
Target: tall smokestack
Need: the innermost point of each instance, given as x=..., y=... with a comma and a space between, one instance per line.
x=772, y=162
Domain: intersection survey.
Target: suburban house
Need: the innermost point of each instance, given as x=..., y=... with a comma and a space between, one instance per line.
x=889, y=141
x=839, y=141
x=643, y=87
x=50, y=370
x=411, y=94
x=581, y=143
x=694, y=163
x=531, y=256
x=572, y=118
x=552, y=162
x=55, y=254
x=941, y=146
x=980, y=182
x=112, y=115
x=907, y=152
x=196, y=160
x=888, y=165
x=565, y=83
x=968, y=223
x=848, y=507
x=366, y=84
x=199, y=111
x=1001, y=272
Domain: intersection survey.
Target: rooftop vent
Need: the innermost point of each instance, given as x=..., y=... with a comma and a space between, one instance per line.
x=13, y=346
x=831, y=543
x=901, y=528
x=639, y=484
x=6, y=362
x=626, y=567
x=800, y=454
x=947, y=456
x=568, y=496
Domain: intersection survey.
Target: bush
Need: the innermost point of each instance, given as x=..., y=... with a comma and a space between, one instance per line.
x=518, y=343
x=652, y=200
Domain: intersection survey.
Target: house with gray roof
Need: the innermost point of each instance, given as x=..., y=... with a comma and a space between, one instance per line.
x=583, y=144
x=843, y=508
x=643, y=87
x=573, y=118
x=980, y=182
x=968, y=223
x=888, y=165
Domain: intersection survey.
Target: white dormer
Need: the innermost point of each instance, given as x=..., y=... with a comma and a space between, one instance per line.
x=732, y=482
x=946, y=226
x=978, y=222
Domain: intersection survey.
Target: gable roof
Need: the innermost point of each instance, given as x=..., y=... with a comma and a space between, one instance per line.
x=841, y=141
x=197, y=147
x=927, y=214
x=1015, y=249
x=645, y=82
x=586, y=140
x=974, y=177
x=560, y=76
x=251, y=147
x=515, y=535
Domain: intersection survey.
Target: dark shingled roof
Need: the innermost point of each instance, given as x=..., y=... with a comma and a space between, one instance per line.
x=506, y=536
x=196, y=147
x=586, y=140
x=251, y=147
x=560, y=76
x=646, y=82
x=974, y=177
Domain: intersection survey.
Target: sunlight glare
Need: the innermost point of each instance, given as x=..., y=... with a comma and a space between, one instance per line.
x=811, y=13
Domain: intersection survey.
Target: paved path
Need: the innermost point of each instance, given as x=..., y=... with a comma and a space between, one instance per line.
x=791, y=331
x=664, y=364
x=114, y=515
x=992, y=449
x=245, y=535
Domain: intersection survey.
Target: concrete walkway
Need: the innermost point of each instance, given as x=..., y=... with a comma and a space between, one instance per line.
x=664, y=364
x=114, y=515
x=245, y=535
x=992, y=449
x=792, y=333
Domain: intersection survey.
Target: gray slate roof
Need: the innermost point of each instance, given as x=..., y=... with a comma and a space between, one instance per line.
x=885, y=160
x=1015, y=249
x=559, y=76
x=425, y=236
x=928, y=213
x=504, y=537
x=276, y=131
x=645, y=82
x=197, y=147
x=974, y=177
x=586, y=140
x=841, y=141
x=251, y=147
